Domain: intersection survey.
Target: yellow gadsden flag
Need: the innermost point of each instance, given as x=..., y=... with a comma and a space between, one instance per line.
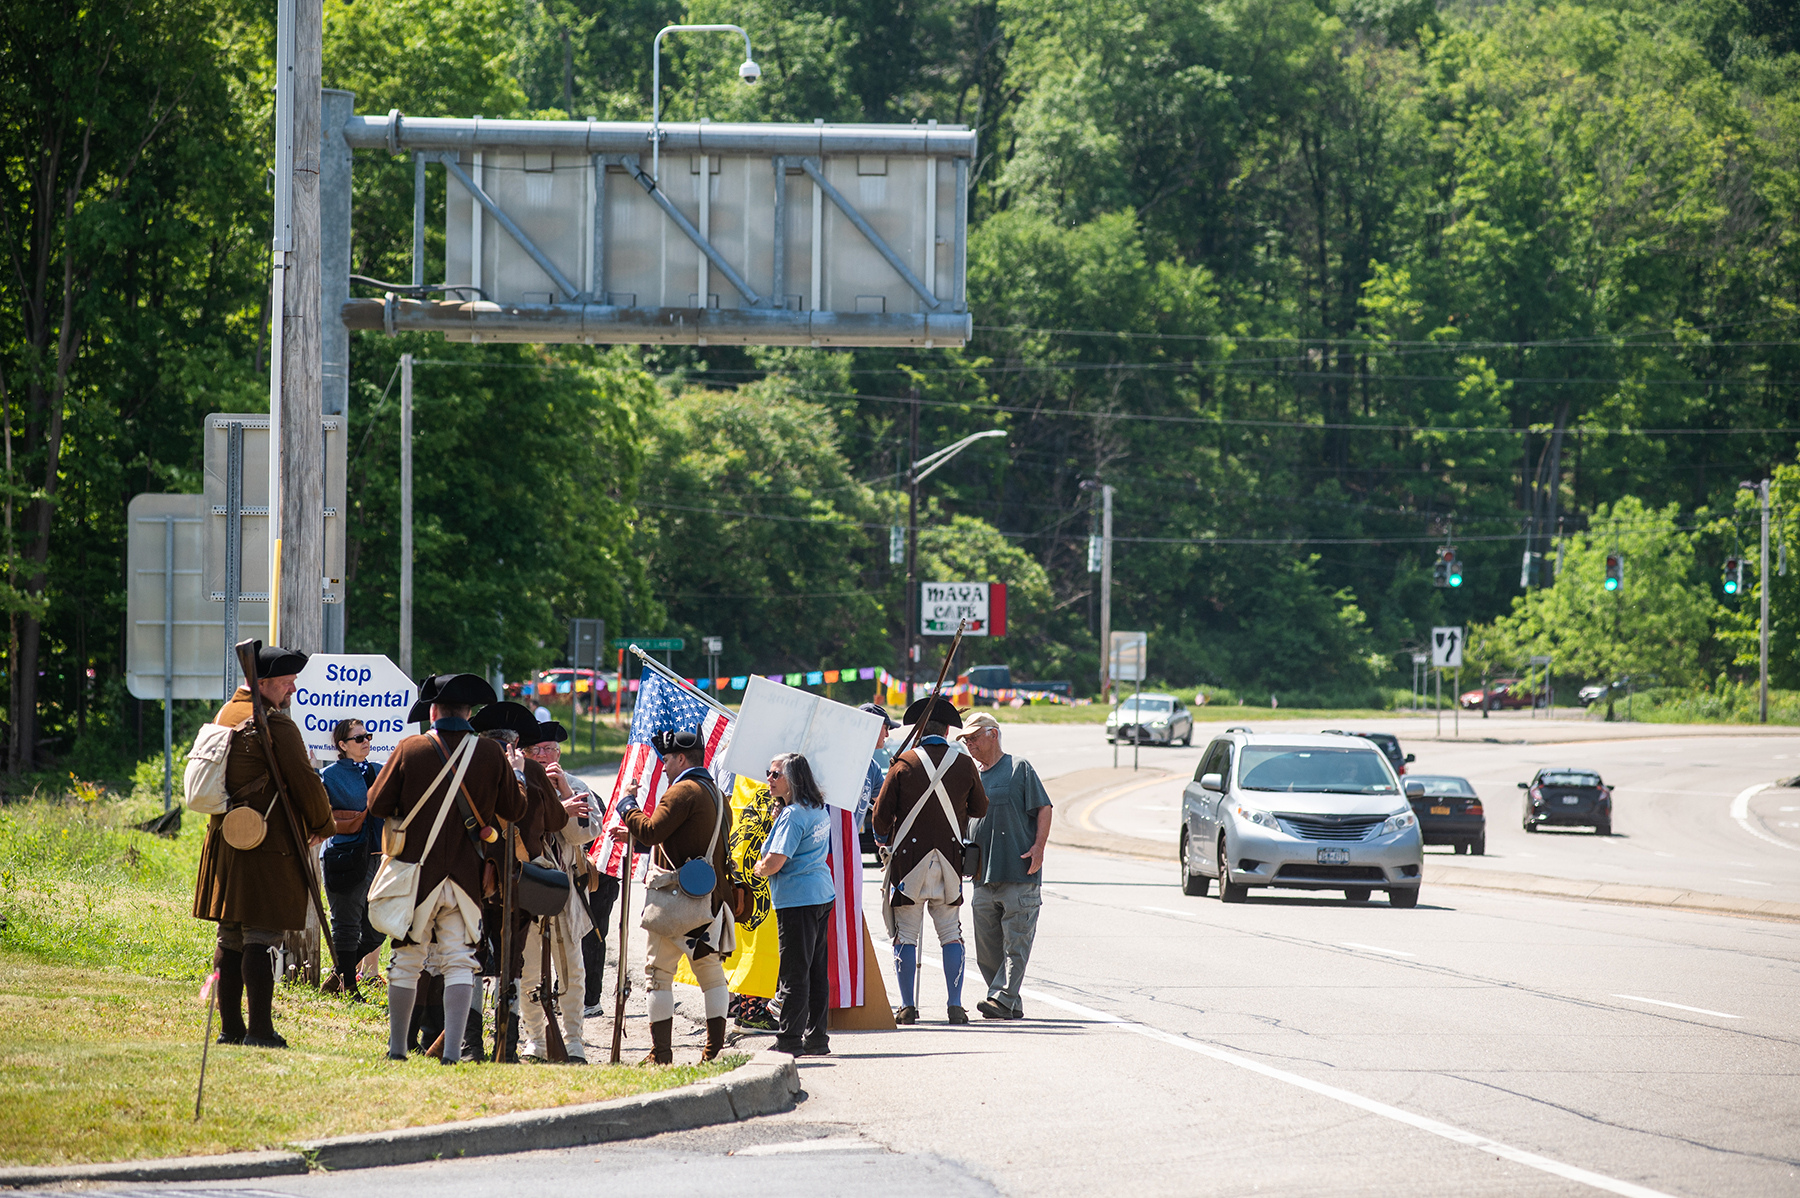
x=752, y=969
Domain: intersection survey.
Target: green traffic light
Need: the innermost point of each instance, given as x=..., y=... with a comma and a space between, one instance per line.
x=1612, y=584
x=1731, y=587
x=1456, y=580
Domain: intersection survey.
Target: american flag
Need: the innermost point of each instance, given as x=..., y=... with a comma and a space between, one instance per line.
x=845, y=962
x=662, y=706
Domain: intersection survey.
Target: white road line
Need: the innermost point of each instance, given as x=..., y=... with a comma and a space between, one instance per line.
x=1170, y=911
x=1750, y=881
x=1740, y=811
x=1657, y=1002
x=1518, y=1156
x=833, y=1144
x=1392, y=952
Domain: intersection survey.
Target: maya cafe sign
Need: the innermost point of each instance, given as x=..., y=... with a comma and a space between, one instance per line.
x=942, y=604
x=352, y=686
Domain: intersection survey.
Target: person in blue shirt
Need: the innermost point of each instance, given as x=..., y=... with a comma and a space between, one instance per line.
x=352, y=856
x=801, y=891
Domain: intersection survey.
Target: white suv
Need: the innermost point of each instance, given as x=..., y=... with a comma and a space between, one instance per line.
x=1301, y=812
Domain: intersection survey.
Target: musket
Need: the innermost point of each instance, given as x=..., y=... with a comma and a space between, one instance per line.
x=212, y=999
x=246, y=654
x=557, y=1052
x=912, y=737
x=503, y=992
x=624, y=911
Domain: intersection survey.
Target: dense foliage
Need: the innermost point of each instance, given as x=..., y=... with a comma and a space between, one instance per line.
x=1314, y=284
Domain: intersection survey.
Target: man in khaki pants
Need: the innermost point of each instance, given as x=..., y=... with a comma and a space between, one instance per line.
x=1008, y=890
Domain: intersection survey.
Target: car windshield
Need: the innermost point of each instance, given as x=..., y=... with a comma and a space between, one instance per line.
x=1442, y=786
x=1568, y=778
x=1286, y=767
x=1146, y=706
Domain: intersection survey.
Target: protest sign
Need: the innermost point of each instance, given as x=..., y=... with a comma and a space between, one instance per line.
x=836, y=739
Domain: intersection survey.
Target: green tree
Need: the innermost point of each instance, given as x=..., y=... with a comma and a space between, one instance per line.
x=1655, y=628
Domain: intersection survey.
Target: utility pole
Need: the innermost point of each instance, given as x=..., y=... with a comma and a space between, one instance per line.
x=912, y=549
x=406, y=521
x=1106, y=542
x=1763, y=626
x=296, y=411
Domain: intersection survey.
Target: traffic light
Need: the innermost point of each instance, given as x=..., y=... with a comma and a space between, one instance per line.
x=1734, y=575
x=1615, y=571
x=1446, y=571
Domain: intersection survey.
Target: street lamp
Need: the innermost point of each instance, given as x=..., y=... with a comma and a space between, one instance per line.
x=1762, y=629
x=917, y=473
x=749, y=72
x=1106, y=543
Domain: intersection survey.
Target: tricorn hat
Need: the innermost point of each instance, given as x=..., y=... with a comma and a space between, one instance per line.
x=935, y=710
x=272, y=661
x=542, y=731
x=675, y=740
x=462, y=690
x=514, y=717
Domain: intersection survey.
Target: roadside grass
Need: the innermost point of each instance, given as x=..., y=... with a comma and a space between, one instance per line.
x=1729, y=703
x=101, y=1023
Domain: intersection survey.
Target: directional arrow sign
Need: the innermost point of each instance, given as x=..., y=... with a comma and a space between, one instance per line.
x=1447, y=648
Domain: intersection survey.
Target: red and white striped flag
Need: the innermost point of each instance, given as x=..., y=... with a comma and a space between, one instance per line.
x=845, y=962
x=662, y=706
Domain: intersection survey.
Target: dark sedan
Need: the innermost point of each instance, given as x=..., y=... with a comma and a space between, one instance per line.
x=1449, y=811
x=1566, y=797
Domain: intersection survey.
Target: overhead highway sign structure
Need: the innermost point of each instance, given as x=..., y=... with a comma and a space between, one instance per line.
x=754, y=234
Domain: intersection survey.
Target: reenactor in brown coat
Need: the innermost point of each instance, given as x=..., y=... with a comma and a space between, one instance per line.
x=681, y=827
x=447, y=920
x=255, y=895
x=924, y=869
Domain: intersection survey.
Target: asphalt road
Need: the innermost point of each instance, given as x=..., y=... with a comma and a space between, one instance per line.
x=1483, y=1043
x=1675, y=790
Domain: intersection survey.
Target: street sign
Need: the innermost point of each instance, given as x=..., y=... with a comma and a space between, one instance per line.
x=943, y=604
x=748, y=234
x=352, y=686
x=193, y=630
x=651, y=644
x=1538, y=660
x=714, y=645
x=1129, y=660
x=246, y=547
x=1447, y=648
x=585, y=639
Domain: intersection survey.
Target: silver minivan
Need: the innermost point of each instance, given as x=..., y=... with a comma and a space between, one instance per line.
x=1301, y=812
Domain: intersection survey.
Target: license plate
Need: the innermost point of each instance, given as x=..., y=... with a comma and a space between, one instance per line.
x=1334, y=856
x=1571, y=799
x=1440, y=811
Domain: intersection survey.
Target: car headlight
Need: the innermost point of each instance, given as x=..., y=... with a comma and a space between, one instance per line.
x=1160, y=724
x=1399, y=822
x=1256, y=817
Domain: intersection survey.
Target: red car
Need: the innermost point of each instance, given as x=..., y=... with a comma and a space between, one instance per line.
x=1505, y=693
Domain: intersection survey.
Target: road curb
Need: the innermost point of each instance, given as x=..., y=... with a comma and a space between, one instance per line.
x=1075, y=792
x=1611, y=892
x=766, y=1084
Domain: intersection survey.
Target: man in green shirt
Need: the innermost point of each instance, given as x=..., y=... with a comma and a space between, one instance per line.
x=1012, y=836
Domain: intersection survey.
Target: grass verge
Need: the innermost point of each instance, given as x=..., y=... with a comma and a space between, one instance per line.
x=1096, y=714
x=100, y=1023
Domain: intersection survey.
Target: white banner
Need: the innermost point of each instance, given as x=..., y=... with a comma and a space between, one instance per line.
x=837, y=740
x=352, y=686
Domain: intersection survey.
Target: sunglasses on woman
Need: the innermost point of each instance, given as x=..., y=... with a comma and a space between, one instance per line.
x=774, y=774
x=364, y=739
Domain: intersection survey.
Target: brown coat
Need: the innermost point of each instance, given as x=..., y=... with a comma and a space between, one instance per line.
x=267, y=886
x=905, y=786
x=682, y=823
x=544, y=815
x=401, y=787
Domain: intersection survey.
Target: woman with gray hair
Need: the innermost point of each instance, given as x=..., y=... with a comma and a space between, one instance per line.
x=801, y=891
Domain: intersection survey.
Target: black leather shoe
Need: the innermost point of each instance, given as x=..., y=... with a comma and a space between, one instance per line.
x=229, y=1038
x=906, y=1015
x=811, y=1049
x=992, y=1010
x=273, y=1040
x=958, y=1015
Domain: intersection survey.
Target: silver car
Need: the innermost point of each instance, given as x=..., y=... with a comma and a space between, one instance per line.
x=1150, y=719
x=1301, y=812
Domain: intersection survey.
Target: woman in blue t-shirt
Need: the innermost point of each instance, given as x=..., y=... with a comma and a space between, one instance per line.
x=802, y=894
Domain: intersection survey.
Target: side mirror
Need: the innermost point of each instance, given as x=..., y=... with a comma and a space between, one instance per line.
x=1524, y=786
x=1415, y=790
x=1410, y=759
x=1213, y=782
